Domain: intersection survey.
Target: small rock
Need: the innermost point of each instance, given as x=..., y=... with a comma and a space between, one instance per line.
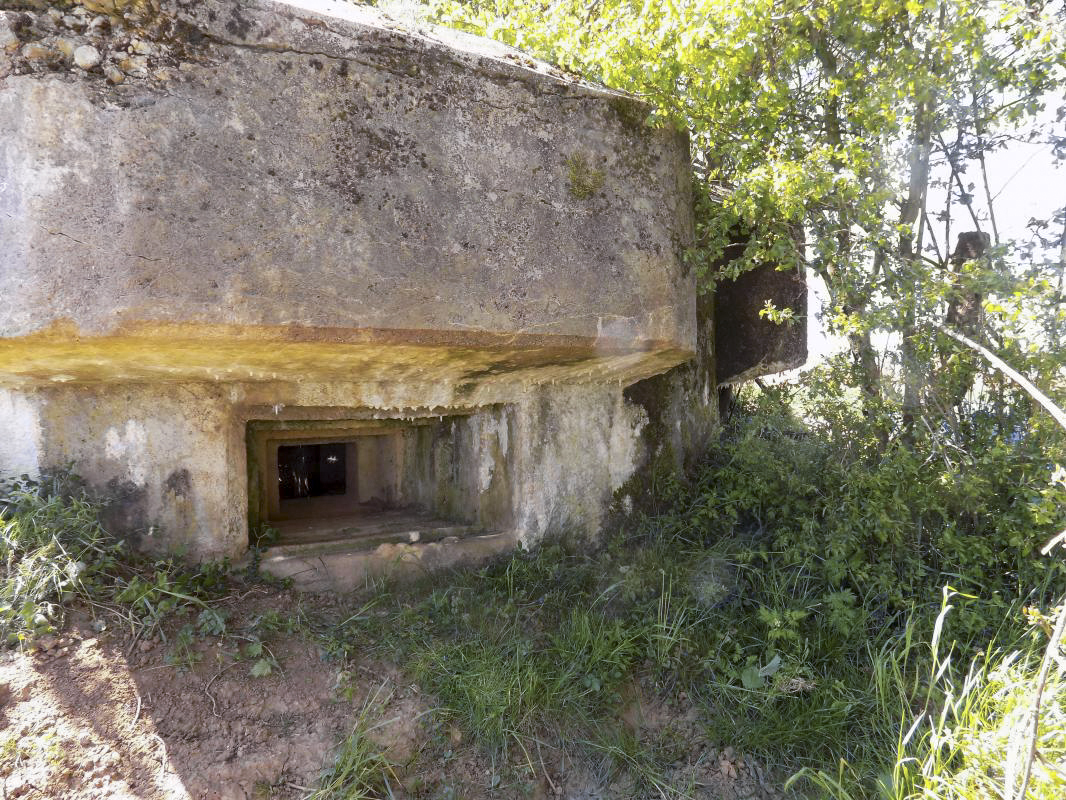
x=34, y=51
x=86, y=740
x=24, y=693
x=72, y=21
x=141, y=47
x=87, y=57
x=145, y=646
x=16, y=786
x=46, y=643
x=134, y=66
x=9, y=42
x=65, y=46
x=113, y=73
x=98, y=25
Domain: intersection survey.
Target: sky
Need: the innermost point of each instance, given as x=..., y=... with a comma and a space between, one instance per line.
x=1026, y=183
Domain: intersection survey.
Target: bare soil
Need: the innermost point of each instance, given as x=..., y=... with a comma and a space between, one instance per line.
x=95, y=713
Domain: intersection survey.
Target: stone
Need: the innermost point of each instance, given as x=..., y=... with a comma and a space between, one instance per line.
x=9, y=41
x=134, y=66
x=65, y=46
x=106, y=6
x=98, y=26
x=87, y=57
x=41, y=53
x=113, y=73
x=141, y=47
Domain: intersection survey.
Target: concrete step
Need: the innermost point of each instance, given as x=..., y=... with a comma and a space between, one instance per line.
x=346, y=565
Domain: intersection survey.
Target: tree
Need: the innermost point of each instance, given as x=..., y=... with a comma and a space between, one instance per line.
x=851, y=118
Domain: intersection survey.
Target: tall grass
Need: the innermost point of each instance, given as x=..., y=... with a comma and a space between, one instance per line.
x=991, y=726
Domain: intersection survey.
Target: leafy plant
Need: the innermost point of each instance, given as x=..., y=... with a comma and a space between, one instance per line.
x=53, y=548
x=55, y=551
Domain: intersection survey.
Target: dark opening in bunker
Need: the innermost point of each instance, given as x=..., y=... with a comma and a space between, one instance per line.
x=372, y=481
x=311, y=470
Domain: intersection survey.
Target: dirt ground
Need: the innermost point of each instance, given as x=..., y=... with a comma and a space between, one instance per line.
x=94, y=713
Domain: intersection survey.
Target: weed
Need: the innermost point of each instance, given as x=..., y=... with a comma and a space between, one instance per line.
x=360, y=771
x=585, y=180
x=962, y=731
x=54, y=550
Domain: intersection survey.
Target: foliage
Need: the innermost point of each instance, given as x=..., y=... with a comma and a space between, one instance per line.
x=787, y=590
x=881, y=526
x=56, y=551
x=963, y=732
x=53, y=548
x=868, y=127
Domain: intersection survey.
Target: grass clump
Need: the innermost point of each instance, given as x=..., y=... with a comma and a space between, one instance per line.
x=55, y=551
x=360, y=770
x=53, y=548
x=991, y=726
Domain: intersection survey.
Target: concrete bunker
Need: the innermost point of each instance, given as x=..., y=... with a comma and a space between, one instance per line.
x=255, y=236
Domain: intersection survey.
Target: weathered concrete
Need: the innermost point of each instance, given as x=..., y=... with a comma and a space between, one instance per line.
x=332, y=567
x=174, y=457
x=292, y=194
x=751, y=345
x=222, y=221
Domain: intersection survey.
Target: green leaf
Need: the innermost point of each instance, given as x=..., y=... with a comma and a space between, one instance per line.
x=752, y=678
x=770, y=669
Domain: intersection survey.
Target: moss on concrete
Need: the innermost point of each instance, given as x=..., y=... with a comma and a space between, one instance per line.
x=585, y=180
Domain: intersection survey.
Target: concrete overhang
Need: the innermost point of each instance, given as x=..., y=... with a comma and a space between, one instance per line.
x=309, y=192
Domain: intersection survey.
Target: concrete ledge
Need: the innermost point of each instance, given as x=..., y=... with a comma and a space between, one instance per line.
x=324, y=568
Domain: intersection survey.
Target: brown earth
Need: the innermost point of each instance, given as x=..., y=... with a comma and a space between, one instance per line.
x=96, y=713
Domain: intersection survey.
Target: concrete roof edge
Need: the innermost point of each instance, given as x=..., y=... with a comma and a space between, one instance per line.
x=324, y=25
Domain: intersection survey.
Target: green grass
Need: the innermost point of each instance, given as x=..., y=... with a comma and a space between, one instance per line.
x=54, y=551
x=785, y=598
x=359, y=771
x=545, y=647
